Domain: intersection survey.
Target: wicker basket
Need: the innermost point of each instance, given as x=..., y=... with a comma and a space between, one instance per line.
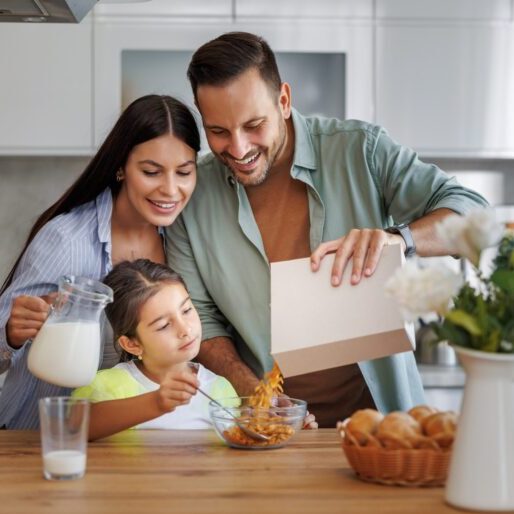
x=422, y=467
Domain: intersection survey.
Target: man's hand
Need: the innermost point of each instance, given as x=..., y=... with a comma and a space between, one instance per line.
x=364, y=245
x=176, y=389
x=309, y=422
x=28, y=314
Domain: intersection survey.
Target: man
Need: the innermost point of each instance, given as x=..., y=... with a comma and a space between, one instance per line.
x=280, y=186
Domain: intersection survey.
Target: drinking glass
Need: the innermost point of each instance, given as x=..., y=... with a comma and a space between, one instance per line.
x=64, y=425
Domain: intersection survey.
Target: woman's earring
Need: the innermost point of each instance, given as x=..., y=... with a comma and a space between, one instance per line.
x=140, y=357
x=119, y=175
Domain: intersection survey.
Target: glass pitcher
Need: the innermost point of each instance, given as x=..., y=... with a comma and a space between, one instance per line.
x=66, y=350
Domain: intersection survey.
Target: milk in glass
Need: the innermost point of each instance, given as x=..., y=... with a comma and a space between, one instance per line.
x=64, y=463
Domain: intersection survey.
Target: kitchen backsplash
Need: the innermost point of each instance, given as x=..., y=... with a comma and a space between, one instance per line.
x=28, y=185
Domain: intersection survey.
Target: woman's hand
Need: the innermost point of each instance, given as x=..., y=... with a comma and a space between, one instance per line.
x=28, y=313
x=176, y=389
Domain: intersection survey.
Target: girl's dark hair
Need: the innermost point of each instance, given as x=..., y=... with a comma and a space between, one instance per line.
x=133, y=283
x=223, y=59
x=146, y=118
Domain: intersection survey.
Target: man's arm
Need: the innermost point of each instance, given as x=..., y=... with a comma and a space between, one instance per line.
x=365, y=246
x=428, y=244
x=220, y=356
x=412, y=192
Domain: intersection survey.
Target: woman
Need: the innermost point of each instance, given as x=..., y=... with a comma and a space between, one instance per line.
x=141, y=178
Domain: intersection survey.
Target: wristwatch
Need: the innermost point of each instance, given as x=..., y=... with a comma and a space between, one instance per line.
x=404, y=230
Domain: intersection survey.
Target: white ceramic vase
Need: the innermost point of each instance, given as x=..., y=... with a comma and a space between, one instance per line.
x=481, y=474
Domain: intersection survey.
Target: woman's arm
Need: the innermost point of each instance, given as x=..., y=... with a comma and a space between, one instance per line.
x=46, y=259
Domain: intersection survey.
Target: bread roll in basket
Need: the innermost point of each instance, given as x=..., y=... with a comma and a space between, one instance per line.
x=402, y=448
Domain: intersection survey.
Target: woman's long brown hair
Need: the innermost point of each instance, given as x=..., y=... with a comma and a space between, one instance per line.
x=146, y=118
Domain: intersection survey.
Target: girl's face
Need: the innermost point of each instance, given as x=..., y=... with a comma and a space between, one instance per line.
x=169, y=331
x=159, y=178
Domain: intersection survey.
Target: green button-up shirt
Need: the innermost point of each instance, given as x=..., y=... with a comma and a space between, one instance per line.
x=356, y=177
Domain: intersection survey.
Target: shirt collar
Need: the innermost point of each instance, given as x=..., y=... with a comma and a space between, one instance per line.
x=304, y=154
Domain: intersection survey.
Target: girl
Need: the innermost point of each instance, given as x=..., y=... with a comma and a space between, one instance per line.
x=159, y=332
x=140, y=180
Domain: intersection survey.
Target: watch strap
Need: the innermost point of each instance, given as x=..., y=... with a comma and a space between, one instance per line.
x=404, y=230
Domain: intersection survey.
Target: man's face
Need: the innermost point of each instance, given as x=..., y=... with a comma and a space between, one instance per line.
x=245, y=124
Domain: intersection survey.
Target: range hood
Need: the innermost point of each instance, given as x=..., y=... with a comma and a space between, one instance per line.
x=54, y=11
x=50, y=11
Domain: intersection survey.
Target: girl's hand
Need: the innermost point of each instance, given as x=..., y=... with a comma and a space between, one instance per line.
x=176, y=389
x=28, y=313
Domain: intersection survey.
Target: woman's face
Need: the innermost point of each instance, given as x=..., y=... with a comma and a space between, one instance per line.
x=169, y=331
x=158, y=180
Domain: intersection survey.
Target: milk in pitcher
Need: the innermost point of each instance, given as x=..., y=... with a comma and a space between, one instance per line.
x=66, y=354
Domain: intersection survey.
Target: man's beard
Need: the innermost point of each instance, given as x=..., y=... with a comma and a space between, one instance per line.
x=246, y=180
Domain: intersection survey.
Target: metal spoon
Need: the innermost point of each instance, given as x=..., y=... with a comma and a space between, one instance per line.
x=250, y=433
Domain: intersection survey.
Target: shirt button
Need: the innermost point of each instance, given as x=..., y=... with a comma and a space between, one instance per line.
x=232, y=181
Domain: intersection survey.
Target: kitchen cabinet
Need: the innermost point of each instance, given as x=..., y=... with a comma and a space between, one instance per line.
x=116, y=38
x=443, y=385
x=444, y=10
x=46, y=88
x=447, y=90
x=438, y=75
x=167, y=8
x=304, y=8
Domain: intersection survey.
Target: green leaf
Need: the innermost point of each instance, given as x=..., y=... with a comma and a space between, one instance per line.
x=504, y=279
x=508, y=331
x=492, y=344
x=464, y=320
x=449, y=332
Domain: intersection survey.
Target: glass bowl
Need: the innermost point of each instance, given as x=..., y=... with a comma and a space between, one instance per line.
x=280, y=422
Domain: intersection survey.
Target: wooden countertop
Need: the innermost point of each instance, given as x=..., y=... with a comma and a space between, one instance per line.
x=147, y=472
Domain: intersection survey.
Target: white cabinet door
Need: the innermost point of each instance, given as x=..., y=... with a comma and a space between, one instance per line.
x=46, y=88
x=304, y=8
x=163, y=8
x=444, y=10
x=448, y=89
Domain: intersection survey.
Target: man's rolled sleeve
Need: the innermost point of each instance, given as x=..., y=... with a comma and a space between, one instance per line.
x=412, y=188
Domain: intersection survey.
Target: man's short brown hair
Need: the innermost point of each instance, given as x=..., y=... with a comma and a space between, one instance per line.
x=228, y=56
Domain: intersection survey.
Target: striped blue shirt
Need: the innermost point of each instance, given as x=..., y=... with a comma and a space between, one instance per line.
x=75, y=243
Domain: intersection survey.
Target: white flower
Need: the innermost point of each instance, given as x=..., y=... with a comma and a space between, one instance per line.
x=419, y=291
x=468, y=235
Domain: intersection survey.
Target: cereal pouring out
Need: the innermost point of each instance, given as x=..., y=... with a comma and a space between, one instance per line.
x=265, y=412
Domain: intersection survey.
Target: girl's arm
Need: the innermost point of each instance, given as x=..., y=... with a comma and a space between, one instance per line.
x=112, y=416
